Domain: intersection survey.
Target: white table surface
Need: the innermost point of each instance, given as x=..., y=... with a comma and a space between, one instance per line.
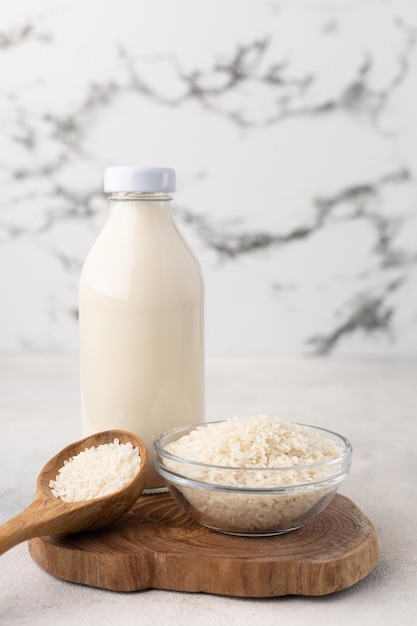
x=374, y=403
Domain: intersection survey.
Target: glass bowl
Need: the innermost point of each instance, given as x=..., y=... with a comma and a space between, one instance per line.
x=251, y=501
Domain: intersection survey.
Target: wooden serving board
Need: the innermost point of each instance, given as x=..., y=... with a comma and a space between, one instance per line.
x=158, y=546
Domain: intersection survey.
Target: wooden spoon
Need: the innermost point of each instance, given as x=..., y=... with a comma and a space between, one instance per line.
x=49, y=515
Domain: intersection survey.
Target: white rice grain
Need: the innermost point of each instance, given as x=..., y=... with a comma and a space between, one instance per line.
x=96, y=472
x=255, y=453
x=260, y=443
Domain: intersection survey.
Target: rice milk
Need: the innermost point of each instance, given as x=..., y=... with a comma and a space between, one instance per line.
x=141, y=323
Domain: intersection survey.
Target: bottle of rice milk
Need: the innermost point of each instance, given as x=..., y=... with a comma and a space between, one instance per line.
x=141, y=315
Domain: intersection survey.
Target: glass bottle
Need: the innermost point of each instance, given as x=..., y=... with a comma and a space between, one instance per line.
x=141, y=316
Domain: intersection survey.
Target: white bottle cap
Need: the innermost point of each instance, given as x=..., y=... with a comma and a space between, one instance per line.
x=141, y=179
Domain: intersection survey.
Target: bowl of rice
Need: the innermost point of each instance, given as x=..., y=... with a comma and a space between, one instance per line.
x=252, y=476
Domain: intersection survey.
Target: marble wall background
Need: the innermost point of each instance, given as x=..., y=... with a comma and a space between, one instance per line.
x=293, y=129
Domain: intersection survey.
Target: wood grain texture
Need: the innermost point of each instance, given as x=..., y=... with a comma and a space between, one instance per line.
x=48, y=514
x=156, y=545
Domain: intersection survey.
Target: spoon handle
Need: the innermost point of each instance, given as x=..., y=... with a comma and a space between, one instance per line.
x=36, y=520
